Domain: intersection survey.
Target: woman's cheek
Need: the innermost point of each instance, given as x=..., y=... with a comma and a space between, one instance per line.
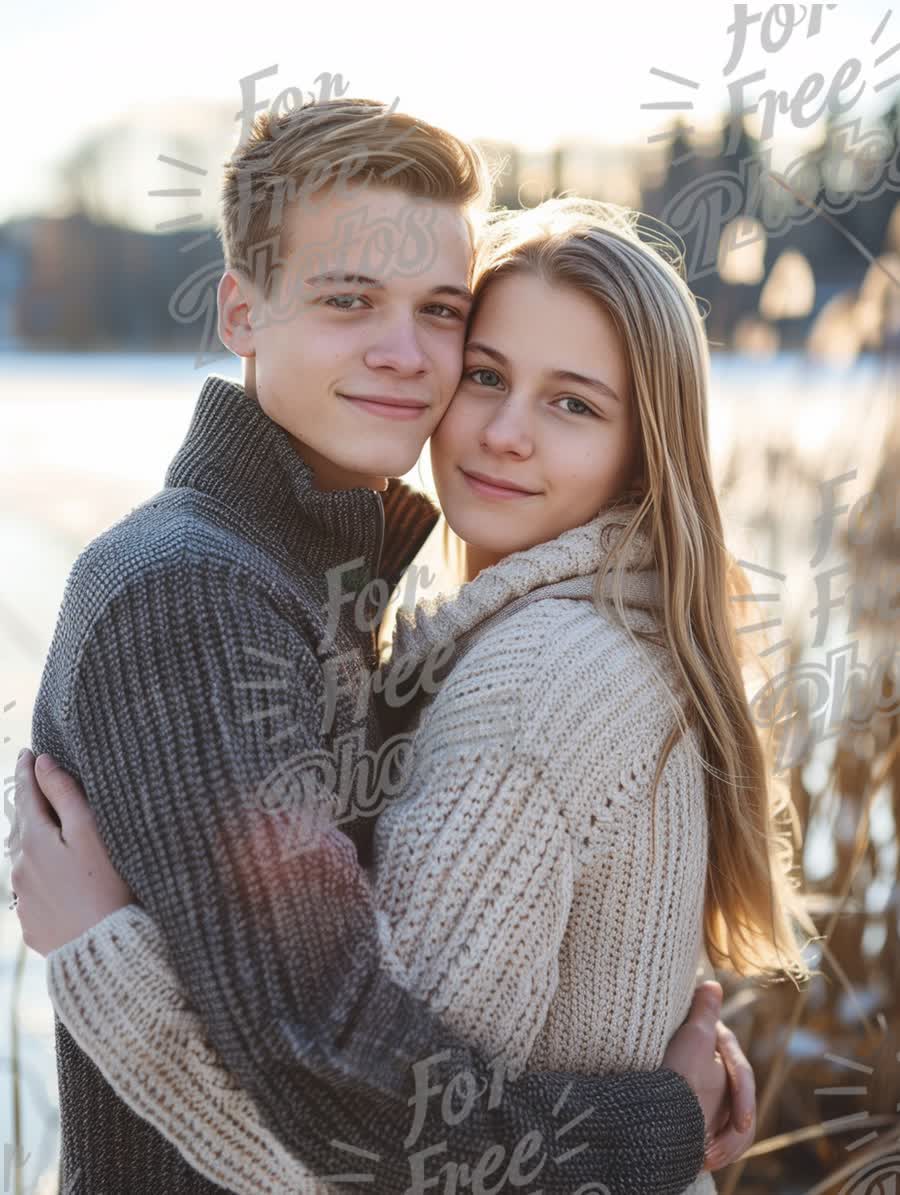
x=450, y=434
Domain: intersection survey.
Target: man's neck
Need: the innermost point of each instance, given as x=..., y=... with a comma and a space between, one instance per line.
x=330, y=476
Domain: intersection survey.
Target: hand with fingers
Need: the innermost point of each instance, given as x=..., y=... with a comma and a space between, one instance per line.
x=11, y=842
x=707, y=1054
x=62, y=878
x=735, y=1128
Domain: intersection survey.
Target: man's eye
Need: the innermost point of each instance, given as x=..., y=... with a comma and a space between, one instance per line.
x=490, y=372
x=338, y=300
x=447, y=312
x=582, y=407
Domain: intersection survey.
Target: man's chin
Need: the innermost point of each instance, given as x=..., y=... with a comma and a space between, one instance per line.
x=368, y=474
x=390, y=464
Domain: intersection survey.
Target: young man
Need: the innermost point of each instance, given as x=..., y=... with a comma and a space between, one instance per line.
x=189, y=671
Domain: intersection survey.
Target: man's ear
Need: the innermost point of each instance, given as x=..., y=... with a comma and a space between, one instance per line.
x=235, y=298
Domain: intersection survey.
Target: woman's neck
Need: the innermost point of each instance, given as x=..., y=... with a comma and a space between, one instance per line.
x=476, y=559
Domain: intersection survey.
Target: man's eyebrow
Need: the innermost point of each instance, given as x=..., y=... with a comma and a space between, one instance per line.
x=357, y=279
x=562, y=375
x=461, y=292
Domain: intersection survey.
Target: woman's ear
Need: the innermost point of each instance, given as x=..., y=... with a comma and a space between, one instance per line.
x=638, y=483
x=234, y=303
x=636, y=486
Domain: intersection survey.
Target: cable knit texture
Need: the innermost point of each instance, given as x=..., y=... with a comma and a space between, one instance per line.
x=525, y=895
x=533, y=897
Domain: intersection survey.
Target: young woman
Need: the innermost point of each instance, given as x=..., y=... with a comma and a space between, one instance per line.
x=588, y=815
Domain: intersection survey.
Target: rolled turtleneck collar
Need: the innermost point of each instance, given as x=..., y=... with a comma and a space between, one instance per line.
x=236, y=454
x=566, y=566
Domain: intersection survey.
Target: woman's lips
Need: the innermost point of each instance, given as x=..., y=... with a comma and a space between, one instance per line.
x=388, y=408
x=488, y=489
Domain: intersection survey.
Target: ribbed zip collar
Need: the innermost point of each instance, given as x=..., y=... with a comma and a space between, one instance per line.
x=236, y=454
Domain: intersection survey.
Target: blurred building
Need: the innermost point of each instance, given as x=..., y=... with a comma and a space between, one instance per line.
x=826, y=274
x=14, y=267
x=90, y=285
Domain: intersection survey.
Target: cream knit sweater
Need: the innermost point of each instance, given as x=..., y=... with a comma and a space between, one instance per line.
x=526, y=891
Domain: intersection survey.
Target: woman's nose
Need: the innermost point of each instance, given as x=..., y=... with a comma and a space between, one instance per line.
x=509, y=430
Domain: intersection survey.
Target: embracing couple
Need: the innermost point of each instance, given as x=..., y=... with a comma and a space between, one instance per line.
x=494, y=982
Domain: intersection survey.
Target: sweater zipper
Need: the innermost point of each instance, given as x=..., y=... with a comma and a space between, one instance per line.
x=380, y=535
x=373, y=634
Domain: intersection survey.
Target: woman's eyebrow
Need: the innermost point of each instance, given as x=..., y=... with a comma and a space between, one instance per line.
x=562, y=375
x=488, y=351
x=567, y=375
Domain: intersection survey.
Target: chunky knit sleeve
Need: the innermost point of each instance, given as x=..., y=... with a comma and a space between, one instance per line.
x=278, y=952
x=116, y=991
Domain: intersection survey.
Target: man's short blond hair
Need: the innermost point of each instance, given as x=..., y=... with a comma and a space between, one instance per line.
x=333, y=143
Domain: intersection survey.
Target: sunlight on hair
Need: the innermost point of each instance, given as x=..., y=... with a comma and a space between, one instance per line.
x=790, y=289
x=633, y=267
x=742, y=252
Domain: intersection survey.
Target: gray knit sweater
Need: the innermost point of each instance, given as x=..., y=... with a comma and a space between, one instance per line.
x=186, y=677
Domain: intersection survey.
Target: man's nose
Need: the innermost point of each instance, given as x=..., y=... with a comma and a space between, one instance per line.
x=398, y=348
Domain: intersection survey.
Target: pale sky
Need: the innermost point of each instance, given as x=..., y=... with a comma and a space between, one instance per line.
x=530, y=73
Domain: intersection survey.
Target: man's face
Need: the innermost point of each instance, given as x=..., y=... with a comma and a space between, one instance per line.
x=358, y=348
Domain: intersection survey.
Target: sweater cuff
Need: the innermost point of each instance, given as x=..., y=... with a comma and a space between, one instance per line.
x=131, y=915
x=653, y=1132
x=686, y=1117
x=85, y=976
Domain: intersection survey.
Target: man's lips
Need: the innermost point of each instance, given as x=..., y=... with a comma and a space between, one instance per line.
x=495, y=487
x=388, y=406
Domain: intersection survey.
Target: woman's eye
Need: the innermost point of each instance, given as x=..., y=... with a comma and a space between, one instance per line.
x=473, y=374
x=581, y=408
x=339, y=300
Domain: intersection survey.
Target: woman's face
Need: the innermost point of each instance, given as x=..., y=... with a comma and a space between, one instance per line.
x=543, y=405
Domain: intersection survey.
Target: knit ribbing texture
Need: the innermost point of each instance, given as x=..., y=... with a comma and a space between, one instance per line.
x=184, y=671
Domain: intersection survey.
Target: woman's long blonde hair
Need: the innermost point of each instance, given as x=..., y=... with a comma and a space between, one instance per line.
x=753, y=908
